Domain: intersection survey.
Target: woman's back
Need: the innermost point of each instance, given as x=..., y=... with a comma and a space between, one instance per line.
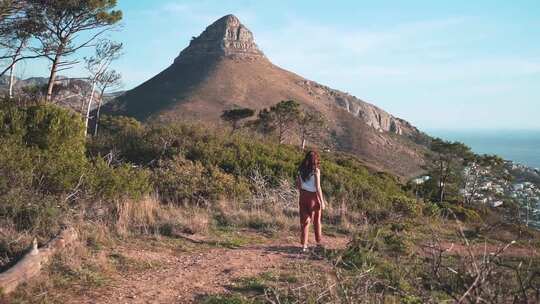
x=311, y=201
x=309, y=183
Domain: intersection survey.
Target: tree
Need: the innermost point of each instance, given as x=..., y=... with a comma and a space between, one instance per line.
x=447, y=166
x=7, y=7
x=234, y=116
x=63, y=22
x=108, y=80
x=473, y=173
x=281, y=117
x=310, y=126
x=17, y=27
x=106, y=52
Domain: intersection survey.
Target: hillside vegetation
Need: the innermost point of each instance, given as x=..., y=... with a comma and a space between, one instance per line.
x=49, y=172
x=139, y=182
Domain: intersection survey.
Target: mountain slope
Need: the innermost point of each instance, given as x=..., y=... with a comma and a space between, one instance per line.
x=224, y=68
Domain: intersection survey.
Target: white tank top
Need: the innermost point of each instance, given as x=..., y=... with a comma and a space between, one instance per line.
x=309, y=184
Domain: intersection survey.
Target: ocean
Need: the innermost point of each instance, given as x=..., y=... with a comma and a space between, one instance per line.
x=518, y=146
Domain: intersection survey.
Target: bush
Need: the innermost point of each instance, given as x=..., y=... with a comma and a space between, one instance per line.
x=405, y=205
x=367, y=246
x=121, y=182
x=16, y=167
x=226, y=299
x=47, y=142
x=210, y=154
x=42, y=157
x=26, y=211
x=179, y=180
x=431, y=209
x=462, y=213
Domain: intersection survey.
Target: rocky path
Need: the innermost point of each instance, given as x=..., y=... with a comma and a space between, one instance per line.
x=184, y=277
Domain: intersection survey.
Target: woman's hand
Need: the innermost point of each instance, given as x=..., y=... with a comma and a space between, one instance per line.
x=322, y=202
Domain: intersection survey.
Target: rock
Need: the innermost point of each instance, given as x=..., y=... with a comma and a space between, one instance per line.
x=225, y=37
x=373, y=116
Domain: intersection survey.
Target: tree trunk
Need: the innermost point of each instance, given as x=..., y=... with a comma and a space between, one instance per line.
x=527, y=216
x=11, y=80
x=281, y=135
x=97, y=118
x=97, y=111
x=12, y=68
x=52, y=77
x=443, y=179
x=441, y=183
x=89, y=107
x=474, y=189
x=441, y=197
x=303, y=143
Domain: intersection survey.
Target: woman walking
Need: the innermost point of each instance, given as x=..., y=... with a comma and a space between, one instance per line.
x=311, y=197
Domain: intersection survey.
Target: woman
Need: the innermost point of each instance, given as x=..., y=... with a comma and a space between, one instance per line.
x=311, y=197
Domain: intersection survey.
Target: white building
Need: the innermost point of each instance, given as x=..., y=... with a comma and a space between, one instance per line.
x=496, y=204
x=518, y=187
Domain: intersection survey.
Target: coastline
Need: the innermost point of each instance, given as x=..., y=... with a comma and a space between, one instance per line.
x=519, y=146
x=521, y=152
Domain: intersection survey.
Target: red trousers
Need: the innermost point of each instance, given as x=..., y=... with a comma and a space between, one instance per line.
x=310, y=209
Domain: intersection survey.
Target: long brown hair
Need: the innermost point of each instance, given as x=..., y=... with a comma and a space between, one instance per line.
x=309, y=165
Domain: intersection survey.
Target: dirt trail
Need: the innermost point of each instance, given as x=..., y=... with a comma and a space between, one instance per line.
x=183, y=277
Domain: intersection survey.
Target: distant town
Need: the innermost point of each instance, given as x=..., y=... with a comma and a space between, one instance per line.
x=497, y=187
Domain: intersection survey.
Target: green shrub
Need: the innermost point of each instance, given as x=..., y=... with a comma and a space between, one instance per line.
x=179, y=180
x=120, y=125
x=357, y=257
x=406, y=205
x=38, y=217
x=16, y=167
x=345, y=179
x=123, y=181
x=28, y=211
x=48, y=142
x=411, y=300
x=368, y=245
x=462, y=213
x=431, y=209
x=226, y=299
x=395, y=243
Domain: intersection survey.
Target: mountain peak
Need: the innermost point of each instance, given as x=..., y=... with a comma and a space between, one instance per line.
x=225, y=37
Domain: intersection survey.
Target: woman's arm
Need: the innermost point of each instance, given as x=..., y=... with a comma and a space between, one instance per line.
x=319, y=189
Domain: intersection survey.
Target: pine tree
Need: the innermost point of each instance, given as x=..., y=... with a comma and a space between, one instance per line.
x=63, y=21
x=234, y=116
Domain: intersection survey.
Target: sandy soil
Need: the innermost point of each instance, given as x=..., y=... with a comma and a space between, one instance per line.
x=185, y=277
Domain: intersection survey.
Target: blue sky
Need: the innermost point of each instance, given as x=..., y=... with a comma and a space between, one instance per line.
x=439, y=64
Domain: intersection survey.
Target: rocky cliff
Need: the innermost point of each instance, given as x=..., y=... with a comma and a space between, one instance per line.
x=225, y=37
x=373, y=116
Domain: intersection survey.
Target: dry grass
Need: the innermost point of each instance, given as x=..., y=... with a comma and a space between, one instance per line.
x=270, y=209
x=12, y=243
x=187, y=219
x=78, y=267
x=273, y=209
x=88, y=263
x=136, y=215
